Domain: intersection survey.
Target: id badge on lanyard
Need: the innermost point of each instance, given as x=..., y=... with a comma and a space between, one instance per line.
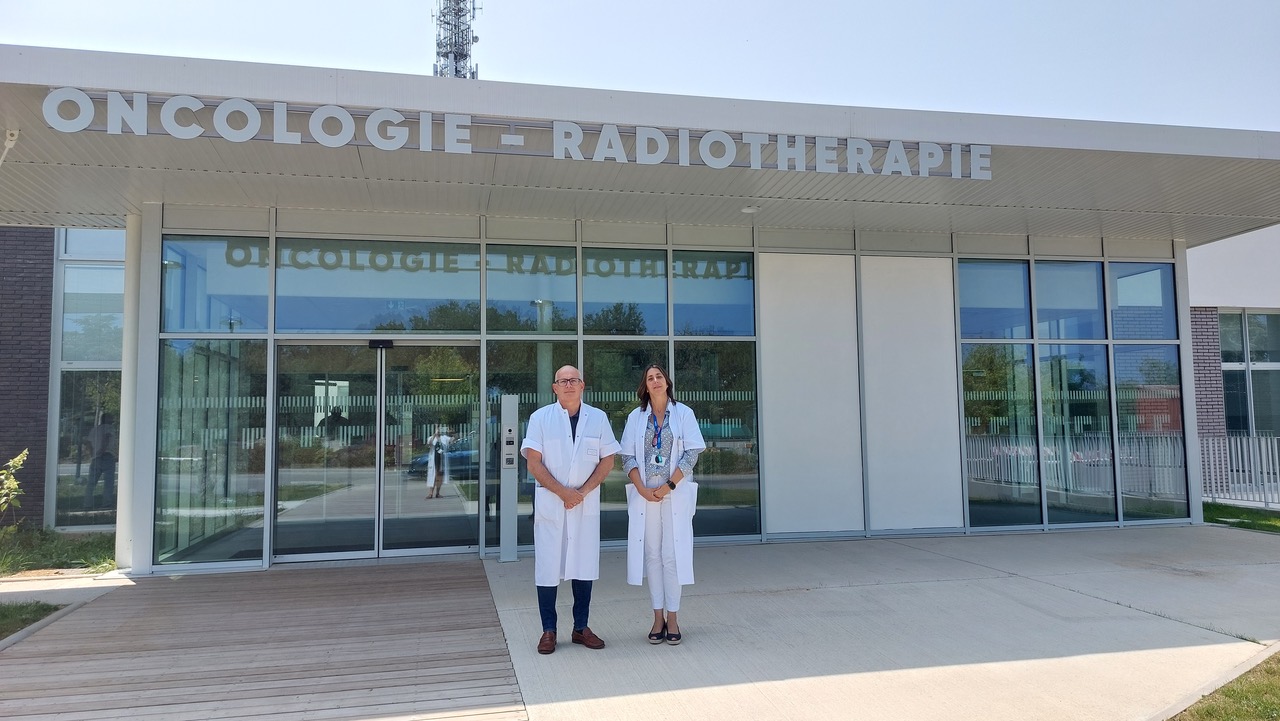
x=657, y=441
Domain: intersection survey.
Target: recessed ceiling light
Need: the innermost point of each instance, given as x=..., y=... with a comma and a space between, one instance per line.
x=751, y=209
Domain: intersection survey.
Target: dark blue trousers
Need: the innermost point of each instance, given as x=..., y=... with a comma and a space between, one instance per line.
x=581, y=605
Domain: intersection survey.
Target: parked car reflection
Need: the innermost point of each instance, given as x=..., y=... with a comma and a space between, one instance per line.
x=462, y=460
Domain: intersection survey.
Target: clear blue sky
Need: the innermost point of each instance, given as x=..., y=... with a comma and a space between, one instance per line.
x=1179, y=62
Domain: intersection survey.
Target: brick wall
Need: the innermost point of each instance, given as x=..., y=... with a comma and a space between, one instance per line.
x=1207, y=360
x=26, y=306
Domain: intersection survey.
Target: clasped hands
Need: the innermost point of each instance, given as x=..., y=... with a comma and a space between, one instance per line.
x=572, y=497
x=652, y=495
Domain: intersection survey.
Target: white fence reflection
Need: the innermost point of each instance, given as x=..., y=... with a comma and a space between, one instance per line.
x=1241, y=468
x=1152, y=465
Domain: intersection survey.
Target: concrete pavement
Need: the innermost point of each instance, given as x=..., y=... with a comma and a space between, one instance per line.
x=1102, y=624
x=1107, y=624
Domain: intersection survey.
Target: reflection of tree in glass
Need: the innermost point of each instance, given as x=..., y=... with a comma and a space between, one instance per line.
x=443, y=371
x=991, y=383
x=507, y=319
x=448, y=316
x=96, y=334
x=1077, y=376
x=717, y=367
x=1261, y=349
x=1158, y=372
x=617, y=319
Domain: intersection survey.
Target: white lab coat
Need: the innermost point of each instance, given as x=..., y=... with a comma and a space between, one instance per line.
x=443, y=442
x=566, y=543
x=684, y=499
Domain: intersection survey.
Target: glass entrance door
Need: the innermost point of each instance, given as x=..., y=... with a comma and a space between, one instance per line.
x=376, y=450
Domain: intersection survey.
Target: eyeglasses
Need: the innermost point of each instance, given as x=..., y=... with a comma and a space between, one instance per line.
x=568, y=382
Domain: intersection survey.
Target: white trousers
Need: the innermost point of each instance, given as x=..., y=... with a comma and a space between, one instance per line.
x=660, y=557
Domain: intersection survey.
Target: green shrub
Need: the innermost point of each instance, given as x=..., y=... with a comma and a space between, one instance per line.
x=10, y=489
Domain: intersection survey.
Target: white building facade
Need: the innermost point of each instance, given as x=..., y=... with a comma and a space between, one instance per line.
x=888, y=322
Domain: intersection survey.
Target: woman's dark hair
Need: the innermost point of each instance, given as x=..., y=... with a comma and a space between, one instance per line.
x=643, y=391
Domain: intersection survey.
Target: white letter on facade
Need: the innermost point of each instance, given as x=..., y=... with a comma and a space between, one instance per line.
x=280, y=132
x=644, y=138
x=457, y=133
x=858, y=154
x=84, y=110
x=253, y=119
x=609, y=145
x=169, y=117
x=895, y=160
x=346, y=131
x=980, y=162
x=755, y=141
x=957, y=167
x=824, y=155
x=683, y=148
x=119, y=113
x=928, y=157
x=425, y=133
x=789, y=154
x=566, y=140
x=710, y=159
x=397, y=135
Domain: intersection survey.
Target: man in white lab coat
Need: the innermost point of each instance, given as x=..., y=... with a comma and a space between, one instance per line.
x=569, y=448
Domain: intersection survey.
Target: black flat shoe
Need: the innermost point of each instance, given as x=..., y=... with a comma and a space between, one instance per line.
x=673, y=639
x=660, y=636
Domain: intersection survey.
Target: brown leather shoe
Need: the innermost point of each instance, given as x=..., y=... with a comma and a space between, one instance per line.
x=547, y=644
x=587, y=638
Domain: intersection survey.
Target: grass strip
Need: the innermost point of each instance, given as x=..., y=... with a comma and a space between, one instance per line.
x=16, y=616
x=1257, y=519
x=26, y=549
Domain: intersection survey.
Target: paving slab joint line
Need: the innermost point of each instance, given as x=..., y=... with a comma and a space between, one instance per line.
x=1157, y=614
x=24, y=633
x=1230, y=675
x=1043, y=581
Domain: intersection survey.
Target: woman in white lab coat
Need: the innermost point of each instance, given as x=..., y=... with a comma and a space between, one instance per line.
x=660, y=446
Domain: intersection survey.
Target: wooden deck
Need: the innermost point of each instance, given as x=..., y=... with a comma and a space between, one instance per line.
x=386, y=642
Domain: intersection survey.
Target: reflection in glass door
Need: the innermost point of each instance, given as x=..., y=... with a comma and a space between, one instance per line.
x=376, y=450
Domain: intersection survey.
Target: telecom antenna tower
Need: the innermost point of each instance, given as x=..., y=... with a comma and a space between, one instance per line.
x=454, y=39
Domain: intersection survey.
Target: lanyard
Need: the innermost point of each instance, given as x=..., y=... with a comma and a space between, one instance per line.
x=657, y=439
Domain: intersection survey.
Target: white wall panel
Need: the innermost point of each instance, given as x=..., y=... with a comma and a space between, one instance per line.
x=912, y=406
x=1238, y=272
x=530, y=229
x=810, y=441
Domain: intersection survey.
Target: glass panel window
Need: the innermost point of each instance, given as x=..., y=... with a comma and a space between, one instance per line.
x=217, y=285
x=1231, y=337
x=1264, y=337
x=612, y=371
x=1142, y=302
x=1235, y=400
x=1266, y=402
x=531, y=289
x=432, y=396
x=525, y=369
x=624, y=292
x=718, y=381
x=1069, y=300
x=1078, y=476
x=88, y=448
x=93, y=243
x=713, y=293
x=1152, y=467
x=92, y=312
x=211, y=451
x=1000, y=435
x=336, y=286
x=995, y=299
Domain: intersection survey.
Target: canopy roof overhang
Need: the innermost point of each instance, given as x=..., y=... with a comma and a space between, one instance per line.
x=1049, y=177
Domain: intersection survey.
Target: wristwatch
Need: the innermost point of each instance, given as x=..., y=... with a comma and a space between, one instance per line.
x=671, y=484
